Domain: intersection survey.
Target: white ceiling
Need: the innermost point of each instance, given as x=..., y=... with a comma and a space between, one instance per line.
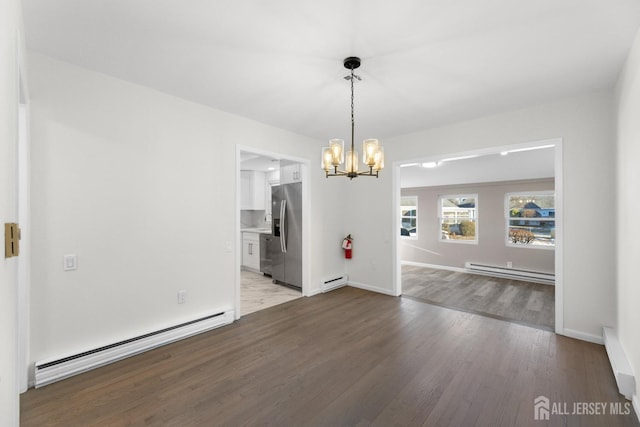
x=257, y=162
x=486, y=168
x=425, y=62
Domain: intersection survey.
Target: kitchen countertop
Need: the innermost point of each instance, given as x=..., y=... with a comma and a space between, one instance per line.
x=256, y=230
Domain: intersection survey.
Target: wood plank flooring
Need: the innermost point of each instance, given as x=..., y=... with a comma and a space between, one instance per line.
x=531, y=304
x=345, y=358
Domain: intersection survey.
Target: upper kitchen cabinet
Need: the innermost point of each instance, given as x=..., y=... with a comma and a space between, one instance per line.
x=290, y=172
x=272, y=179
x=252, y=197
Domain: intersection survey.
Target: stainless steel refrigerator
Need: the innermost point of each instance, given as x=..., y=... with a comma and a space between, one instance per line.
x=286, y=246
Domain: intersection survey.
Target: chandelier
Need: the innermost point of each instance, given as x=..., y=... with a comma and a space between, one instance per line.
x=372, y=153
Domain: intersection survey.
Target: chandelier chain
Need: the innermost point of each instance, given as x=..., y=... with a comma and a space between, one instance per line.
x=352, y=107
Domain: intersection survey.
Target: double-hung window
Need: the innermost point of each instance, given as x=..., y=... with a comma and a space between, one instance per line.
x=458, y=216
x=531, y=219
x=409, y=216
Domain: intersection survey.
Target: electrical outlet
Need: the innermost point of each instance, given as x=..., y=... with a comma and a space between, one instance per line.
x=509, y=264
x=70, y=262
x=182, y=297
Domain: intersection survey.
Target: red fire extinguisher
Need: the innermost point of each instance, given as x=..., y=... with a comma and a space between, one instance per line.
x=347, y=244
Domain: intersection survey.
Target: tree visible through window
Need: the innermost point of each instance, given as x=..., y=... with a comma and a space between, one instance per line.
x=458, y=218
x=409, y=216
x=531, y=219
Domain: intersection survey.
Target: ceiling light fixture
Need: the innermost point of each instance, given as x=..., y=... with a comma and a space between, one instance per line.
x=429, y=165
x=453, y=159
x=372, y=152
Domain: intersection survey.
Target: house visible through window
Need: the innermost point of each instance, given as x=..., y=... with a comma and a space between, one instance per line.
x=458, y=218
x=531, y=219
x=409, y=216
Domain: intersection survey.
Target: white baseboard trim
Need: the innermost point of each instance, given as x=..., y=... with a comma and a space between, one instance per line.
x=438, y=267
x=51, y=370
x=471, y=271
x=314, y=292
x=579, y=335
x=372, y=288
x=619, y=363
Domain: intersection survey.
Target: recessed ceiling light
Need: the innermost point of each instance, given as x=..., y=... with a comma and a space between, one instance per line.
x=519, y=150
x=429, y=165
x=406, y=165
x=451, y=159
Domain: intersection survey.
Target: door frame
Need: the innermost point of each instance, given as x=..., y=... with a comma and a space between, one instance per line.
x=559, y=201
x=306, y=226
x=23, y=216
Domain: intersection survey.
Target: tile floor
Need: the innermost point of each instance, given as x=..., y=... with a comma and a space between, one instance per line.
x=257, y=292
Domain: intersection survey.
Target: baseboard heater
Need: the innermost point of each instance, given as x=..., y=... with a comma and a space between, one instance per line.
x=50, y=371
x=334, y=283
x=511, y=273
x=619, y=363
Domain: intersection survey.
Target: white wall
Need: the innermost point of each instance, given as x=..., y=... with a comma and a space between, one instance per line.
x=585, y=124
x=141, y=187
x=628, y=251
x=10, y=45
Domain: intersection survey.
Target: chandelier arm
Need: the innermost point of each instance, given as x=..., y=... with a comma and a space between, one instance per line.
x=368, y=173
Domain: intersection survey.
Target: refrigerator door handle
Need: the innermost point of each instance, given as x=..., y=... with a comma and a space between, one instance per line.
x=283, y=226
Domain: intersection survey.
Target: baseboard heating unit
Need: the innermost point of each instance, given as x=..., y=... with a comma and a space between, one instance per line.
x=334, y=283
x=511, y=273
x=619, y=363
x=50, y=371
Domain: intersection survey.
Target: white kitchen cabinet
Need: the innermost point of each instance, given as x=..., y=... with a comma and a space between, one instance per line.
x=272, y=178
x=252, y=194
x=251, y=251
x=290, y=172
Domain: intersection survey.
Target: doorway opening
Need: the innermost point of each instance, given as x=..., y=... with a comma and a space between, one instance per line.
x=481, y=232
x=272, y=195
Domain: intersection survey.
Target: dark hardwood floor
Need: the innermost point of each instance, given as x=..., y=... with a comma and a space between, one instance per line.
x=345, y=358
x=531, y=304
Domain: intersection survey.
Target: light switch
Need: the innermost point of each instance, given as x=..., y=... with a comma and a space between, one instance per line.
x=182, y=296
x=70, y=262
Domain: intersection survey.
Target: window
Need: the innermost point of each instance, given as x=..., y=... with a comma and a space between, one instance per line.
x=531, y=219
x=409, y=216
x=458, y=218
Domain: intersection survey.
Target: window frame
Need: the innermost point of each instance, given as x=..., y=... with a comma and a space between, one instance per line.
x=475, y=218
x=415, y=208
x=508, y=218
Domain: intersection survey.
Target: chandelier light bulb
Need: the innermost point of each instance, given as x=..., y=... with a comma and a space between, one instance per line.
x=369, y=150
x=327, y=158
x=337, y=151
x=379, y=160
x=352, y=162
